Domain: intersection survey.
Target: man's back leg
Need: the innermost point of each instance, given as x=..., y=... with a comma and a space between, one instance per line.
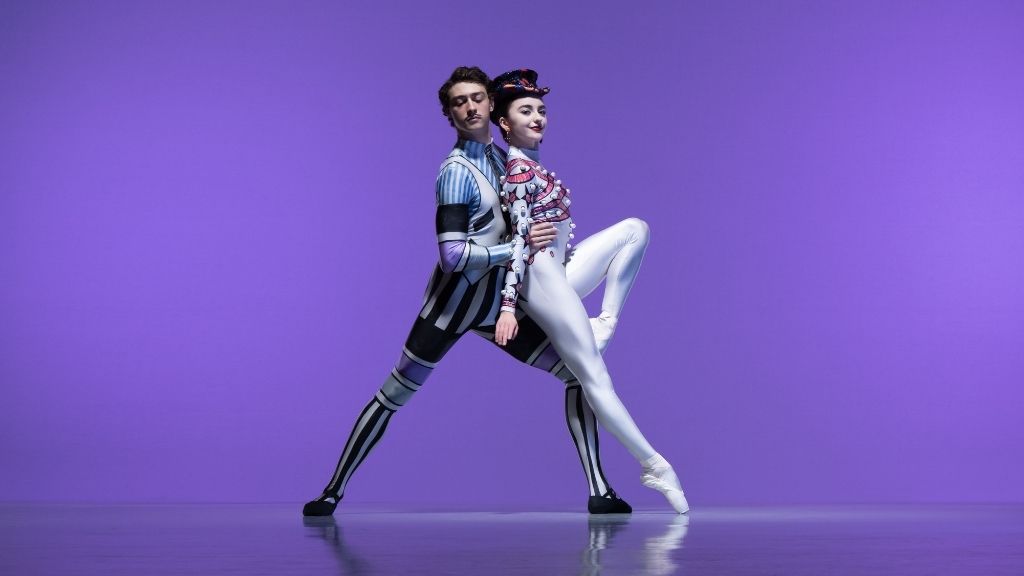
x=424, y=348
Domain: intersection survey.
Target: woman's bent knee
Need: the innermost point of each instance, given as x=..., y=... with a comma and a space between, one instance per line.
x=639, y=231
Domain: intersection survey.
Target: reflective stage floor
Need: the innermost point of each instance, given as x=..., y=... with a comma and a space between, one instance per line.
x=38, y=539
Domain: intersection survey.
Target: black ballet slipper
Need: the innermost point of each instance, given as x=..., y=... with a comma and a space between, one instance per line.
x=320, y=507
x=610, y=503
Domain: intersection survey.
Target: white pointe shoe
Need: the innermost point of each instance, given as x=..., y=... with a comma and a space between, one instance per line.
x=662, y=478
x=603, y=327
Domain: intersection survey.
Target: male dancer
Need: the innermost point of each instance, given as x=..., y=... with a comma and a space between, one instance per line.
x=464, y=293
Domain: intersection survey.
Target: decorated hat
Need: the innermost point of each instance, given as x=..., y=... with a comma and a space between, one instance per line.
x=511, y=85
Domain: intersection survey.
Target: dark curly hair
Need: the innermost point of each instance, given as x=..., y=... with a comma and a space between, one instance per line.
x=460, y=74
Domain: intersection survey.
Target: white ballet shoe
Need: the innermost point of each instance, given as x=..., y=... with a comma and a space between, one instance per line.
x=603, y=327
x=658, y=475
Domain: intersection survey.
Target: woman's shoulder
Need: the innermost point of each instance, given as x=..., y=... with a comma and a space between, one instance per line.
x=520, y=170
x=520, y=163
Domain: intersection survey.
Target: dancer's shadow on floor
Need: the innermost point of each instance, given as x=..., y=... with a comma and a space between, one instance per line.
x=349, y=561
x=655, y=554
x=598, y=552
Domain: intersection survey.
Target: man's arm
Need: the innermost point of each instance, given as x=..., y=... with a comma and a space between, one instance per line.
x=455, y=190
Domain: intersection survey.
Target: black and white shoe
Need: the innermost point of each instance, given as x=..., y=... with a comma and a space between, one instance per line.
x=610, y=503
x=322, y=506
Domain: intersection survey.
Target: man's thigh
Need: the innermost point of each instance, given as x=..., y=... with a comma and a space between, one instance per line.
x=530, y=345
x=427, y=343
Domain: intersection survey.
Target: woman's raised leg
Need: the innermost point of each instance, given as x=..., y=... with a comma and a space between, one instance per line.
x=554, y=305
x=612, y=255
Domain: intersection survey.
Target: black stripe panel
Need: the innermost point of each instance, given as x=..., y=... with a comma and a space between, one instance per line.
x=356, y=440
x=442, y=300
x=463, y=308
x=452, y=218
x=435, y=279
x=592, y=420
x=483, y=221
x=429, y=342
x=375, y=439
x=492, y=285
x=577, y=401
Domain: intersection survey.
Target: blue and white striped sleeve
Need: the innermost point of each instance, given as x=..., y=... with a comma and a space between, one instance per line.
x=455, y=185
x=457, y=198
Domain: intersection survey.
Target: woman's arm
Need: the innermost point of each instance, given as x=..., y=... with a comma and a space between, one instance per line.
x=518, y=199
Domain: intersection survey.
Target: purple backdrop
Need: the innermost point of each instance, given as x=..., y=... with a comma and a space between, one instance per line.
x=218, y=225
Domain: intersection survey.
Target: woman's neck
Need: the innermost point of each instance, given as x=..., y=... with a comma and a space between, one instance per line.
x=531, y=153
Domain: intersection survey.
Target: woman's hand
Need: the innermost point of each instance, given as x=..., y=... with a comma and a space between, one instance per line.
x=506, y=328
x=541, y=235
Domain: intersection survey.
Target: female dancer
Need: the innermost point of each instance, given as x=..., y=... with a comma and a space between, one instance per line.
x=532, y=194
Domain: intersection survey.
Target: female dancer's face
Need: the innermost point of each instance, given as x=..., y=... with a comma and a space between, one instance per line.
x=525, y=123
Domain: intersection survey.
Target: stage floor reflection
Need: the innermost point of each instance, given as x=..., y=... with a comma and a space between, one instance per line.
x=274, y=539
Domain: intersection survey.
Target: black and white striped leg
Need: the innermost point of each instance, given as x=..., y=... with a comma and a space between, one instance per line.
x=405, y=379
x=583, y=427
x=424, y=348
x=368, y=430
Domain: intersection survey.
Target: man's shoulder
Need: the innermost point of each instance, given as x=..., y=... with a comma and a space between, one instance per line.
x=455, y=162
x=455, y=153
x=452, y=162
x=454, y=174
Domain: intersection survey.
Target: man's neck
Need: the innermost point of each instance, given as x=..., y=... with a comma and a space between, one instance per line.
x=484, y=138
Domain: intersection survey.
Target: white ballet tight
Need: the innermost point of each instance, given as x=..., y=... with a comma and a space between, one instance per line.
x=551, y=296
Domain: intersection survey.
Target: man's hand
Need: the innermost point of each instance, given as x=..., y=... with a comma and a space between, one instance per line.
x=542, y=234
x=506, y=328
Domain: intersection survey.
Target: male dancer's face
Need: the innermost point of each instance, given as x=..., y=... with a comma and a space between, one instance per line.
x=470, y=108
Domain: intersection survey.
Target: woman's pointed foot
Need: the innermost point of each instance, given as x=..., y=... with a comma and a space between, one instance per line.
x=604, y=328
x=658, y=475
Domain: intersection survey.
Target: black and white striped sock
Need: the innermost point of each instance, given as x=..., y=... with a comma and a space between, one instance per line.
x=583, y=428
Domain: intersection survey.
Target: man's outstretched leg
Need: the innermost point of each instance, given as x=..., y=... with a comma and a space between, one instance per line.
x=423, y=349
